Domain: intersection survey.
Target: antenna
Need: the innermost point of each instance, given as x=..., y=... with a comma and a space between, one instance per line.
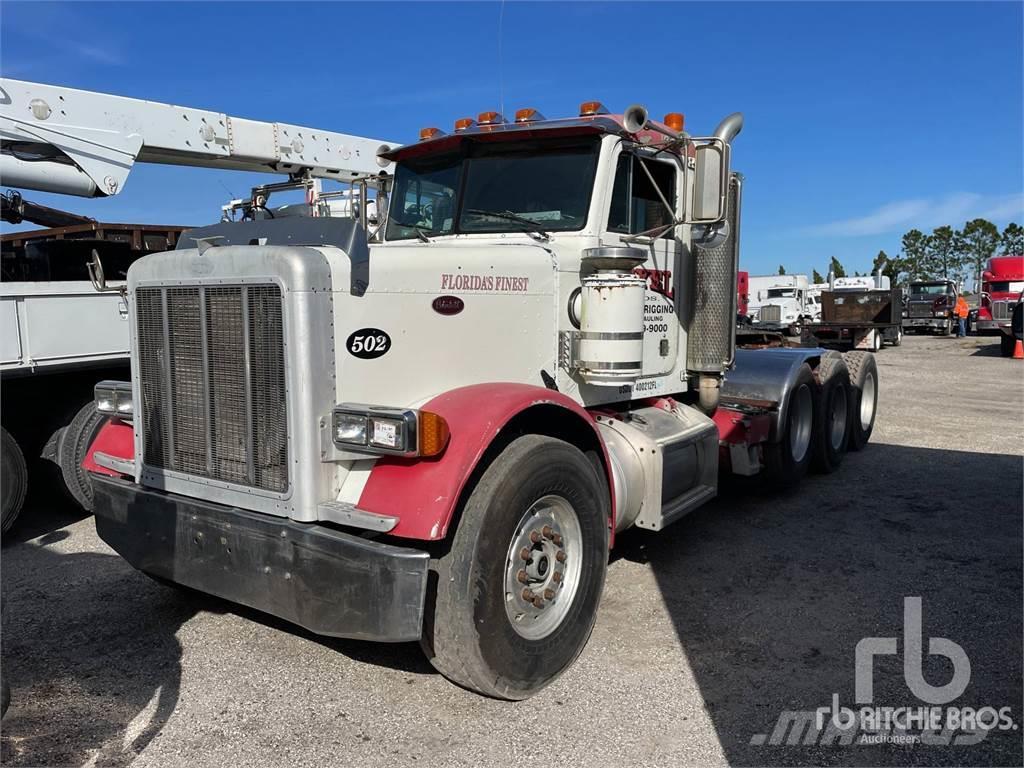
x=501, y=70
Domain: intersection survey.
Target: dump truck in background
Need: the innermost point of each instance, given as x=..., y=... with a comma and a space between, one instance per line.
x=436, y=434
x=863, y=312
x=1001, y=284
x=60, y=337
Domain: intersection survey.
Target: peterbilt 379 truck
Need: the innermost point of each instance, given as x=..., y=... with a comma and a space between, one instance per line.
x=436, y=433
x=1002, y=283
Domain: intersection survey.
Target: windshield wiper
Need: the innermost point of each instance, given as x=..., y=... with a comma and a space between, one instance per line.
x=509, y=216
x=422, y=235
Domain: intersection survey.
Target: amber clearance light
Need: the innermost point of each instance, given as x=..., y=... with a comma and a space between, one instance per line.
x=588, y=108
x=528, y=115
x=675, y=121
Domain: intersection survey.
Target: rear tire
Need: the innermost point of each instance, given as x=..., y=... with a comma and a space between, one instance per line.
x=787, y=459
x=863, y=397
x=831, y=433
x=482, y=633
x=14, y=478
x=74, y=444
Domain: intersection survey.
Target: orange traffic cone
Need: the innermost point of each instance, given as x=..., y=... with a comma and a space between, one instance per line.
x=1018, y=350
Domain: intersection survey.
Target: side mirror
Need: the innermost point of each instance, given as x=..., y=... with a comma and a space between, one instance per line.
x=711, y=182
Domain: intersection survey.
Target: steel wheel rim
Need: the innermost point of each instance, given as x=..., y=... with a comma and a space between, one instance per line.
x=867, y=402
x=801, y=416
x=543, y=567
x=837, y=418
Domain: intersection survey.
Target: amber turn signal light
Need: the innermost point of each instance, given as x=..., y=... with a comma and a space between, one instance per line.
x=433, y=433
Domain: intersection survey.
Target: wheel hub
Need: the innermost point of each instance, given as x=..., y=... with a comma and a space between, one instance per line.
x=543, y=567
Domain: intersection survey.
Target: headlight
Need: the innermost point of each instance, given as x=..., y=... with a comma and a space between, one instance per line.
x=114, y=398
x=392, y=431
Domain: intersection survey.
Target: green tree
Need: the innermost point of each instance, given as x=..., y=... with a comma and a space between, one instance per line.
x=837, y=268
x=944, y=253
x=914, y=247
x=891, y=267
x=782, y=270
x=980, y=238
x=1012, y=239
x=816, y=276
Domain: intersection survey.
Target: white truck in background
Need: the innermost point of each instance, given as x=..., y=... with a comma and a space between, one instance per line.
x=783, y=302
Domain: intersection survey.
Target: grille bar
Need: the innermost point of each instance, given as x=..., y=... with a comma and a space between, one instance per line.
x=1001, y=310
x=211, y=366
x=770, y=313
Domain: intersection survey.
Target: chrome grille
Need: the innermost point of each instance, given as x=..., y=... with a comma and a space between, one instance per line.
x=1001, y=310
x=921, y=309
x=211, y=368
x=770, y=313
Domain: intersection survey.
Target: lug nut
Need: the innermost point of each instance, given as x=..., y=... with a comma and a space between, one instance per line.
x=556, y=576
x=548, y=532
x=522, y=577
x=528, y=595
x=538, y=602
x=535, y=537
x=560, y=556
x=524, y=553
x=557, y=538
x=549, y=594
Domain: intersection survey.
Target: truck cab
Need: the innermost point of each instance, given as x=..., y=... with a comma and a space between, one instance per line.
x=783, y=302
x=1001, y=284
x=931, y=306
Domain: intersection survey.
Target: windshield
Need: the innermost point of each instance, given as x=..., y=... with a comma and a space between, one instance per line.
x=495, y=187
x=938, y=289
x=781, y=293
x=1006, y=286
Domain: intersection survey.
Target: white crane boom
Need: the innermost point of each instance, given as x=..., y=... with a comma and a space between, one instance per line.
x=56, y=139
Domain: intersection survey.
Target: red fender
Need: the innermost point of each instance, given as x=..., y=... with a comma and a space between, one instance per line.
x=423, y=493
x=115, y=438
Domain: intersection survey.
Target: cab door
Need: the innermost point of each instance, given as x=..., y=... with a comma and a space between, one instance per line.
x=643, y=185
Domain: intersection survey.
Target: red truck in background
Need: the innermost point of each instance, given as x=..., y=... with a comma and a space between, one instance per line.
x=1001, y=284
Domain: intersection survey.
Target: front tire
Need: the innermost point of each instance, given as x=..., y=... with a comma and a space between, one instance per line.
x=1006, y=345
x=517, y=593
x=831, y=433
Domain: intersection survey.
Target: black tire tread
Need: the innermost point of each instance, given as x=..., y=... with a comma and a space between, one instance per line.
x=74, y=444
x=15, y=479
x=857, y=362
x=832, y=364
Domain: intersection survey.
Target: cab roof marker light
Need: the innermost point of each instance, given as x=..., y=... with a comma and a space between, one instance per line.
x=490, y=118
x=528, y=115
x=431, y=133
x=463, y=123
x=675, y=121
x=589, y=108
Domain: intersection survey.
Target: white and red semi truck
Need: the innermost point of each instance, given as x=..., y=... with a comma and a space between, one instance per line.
x=1001, y=284
x=437, y=433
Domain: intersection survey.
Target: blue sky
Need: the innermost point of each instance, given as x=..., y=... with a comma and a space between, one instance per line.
x=862, y=120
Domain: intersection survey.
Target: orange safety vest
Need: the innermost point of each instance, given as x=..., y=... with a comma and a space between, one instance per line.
x=962, y=310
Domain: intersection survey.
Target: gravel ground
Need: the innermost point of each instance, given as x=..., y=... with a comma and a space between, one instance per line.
x=706, y=634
